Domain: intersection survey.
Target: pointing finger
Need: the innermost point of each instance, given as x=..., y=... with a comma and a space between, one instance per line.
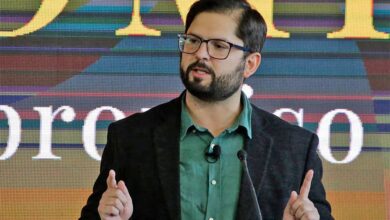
x=305, y=188
x=111, y=182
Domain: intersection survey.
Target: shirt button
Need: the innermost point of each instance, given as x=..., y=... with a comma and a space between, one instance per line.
x=211, y=218
x=213, y=182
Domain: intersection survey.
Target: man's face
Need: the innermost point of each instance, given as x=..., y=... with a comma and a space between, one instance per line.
x=207, y=78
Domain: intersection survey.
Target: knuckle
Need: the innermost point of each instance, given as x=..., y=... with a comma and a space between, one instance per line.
x=120, y=194
x=118, y=204
x=100, y=208
x=101, y=202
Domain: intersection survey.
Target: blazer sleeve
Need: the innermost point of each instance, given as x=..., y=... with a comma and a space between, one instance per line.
x=89, y=211
x=317, y=191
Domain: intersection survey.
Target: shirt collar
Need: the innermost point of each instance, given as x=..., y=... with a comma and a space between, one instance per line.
x=243, y=120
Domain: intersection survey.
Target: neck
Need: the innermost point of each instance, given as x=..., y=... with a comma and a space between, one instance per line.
x=215, y=116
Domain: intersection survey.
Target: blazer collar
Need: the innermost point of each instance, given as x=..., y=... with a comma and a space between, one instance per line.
x=259, y=151
x=166, y=141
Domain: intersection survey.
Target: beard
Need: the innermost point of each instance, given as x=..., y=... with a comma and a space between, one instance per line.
x=219, y=89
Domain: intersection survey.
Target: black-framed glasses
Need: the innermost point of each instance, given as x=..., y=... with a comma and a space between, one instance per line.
x=217, y=48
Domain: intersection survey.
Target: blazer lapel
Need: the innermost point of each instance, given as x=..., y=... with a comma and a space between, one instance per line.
x=259, y=150
x=166, y=142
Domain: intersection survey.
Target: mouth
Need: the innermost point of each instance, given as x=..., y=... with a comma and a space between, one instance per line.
x=199, y=71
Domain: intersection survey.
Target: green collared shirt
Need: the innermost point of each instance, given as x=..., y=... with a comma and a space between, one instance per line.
x=210, y=190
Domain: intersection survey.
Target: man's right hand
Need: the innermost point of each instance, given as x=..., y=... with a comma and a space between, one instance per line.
x=116, y=203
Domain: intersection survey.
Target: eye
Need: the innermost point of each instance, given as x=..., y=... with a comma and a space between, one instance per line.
x=191, y=40
x=218, y=44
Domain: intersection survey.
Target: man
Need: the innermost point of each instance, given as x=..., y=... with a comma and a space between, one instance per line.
x=179, y=160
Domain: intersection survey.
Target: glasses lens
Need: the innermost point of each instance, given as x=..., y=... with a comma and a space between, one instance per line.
x=218, y=49
x=189, y=44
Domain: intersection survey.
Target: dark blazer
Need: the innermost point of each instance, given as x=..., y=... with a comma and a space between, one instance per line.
x=143, y=149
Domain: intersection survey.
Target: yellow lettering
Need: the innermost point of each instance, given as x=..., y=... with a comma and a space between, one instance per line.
x=184, y=8
x=358, y=21
x=47, y=12
x=136, y=27
x=266, y=8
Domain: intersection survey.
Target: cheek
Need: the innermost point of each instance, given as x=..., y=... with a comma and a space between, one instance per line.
x=222, y=67
x=185, y=61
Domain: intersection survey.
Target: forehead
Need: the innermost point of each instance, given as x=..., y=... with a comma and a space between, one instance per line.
x=213, y=25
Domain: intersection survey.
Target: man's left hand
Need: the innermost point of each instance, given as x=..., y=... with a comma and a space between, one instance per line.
x=299, y=206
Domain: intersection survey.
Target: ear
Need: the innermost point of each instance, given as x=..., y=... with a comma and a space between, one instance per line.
x=252, y=62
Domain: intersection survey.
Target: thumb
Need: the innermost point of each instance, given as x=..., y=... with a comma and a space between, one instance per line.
x=111, y=182
x=293, y=197
x=287, y=214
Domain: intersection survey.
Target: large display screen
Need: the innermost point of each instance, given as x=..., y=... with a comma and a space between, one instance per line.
x=68, y=68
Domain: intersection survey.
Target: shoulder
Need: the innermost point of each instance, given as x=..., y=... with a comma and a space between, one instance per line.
x=149, y=118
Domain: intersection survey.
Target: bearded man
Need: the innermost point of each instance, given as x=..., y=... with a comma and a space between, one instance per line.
x=179, y=159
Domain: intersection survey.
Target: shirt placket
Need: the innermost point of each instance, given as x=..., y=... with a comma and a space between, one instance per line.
x=214, y=187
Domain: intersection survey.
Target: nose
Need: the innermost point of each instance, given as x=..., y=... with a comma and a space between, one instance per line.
x=202, y=52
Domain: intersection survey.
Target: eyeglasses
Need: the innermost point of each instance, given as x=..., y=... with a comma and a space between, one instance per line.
x=216, y=48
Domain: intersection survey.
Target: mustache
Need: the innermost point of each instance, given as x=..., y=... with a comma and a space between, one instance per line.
x=199, y=64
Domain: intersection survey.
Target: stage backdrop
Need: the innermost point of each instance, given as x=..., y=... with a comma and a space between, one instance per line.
x=69, y=68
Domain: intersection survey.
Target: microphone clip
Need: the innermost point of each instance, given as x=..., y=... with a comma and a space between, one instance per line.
x=213, y=156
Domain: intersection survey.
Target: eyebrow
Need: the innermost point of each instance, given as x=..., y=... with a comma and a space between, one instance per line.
x=188, y=33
